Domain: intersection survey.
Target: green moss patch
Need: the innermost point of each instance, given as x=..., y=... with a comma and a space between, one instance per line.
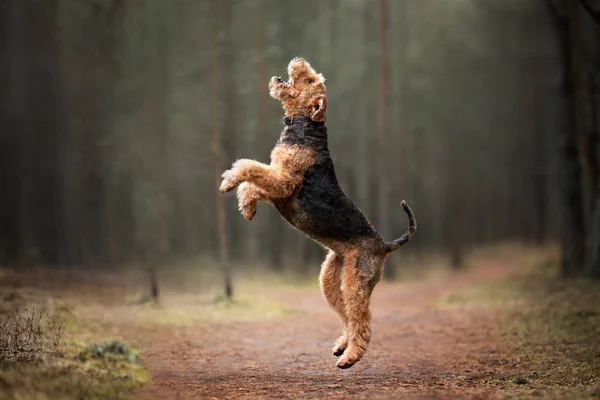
x=112, y=350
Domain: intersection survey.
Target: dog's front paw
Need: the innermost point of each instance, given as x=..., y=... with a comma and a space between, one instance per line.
x=229, y=181
x=236, y=174
x=246, y=201
x=248, y=211
x=242, y=164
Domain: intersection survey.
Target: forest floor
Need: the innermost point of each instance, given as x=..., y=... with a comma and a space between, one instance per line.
x=503, y=328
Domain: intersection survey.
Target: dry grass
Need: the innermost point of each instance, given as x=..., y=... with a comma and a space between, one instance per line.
x=97, y=305
x=26, y=334
x=45, y=352
x=554, y=327
x=69, y=378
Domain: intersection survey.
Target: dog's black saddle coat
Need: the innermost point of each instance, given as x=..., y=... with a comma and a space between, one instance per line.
x=318, y=207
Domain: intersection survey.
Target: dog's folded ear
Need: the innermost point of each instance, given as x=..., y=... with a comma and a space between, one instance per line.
x=319, y=106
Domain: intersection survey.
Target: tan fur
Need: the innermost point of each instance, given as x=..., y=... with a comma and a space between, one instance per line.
x=347, y=280
x=277, y=180
x=357, y=287
x=330, y=281
x=352, y=268
x=337, y=246
x=346, y=289
x=304, y=94
x=248, y=195
x=287, y=162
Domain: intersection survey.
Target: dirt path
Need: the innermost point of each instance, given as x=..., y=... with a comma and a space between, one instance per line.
x=416, y=351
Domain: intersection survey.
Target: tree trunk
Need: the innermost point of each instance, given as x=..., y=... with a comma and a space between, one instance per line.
x=581, y=29
x=218, y=163
x=252, y=239
x=453, y=223
x=539, y=192
x=570, y=185
x=593, y=264
x=571, y=222
x=44, y=126
x=456, y=256
x=276, y=234
x=153, y=281
x=229, y=119
x=383, y=188
x=9, y=140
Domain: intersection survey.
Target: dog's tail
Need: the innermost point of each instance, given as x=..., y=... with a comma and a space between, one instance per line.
x=412, y=227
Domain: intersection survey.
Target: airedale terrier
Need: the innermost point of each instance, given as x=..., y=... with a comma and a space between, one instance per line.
x=301, y=183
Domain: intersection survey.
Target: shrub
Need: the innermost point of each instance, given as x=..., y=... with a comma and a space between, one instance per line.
x=109, y=350
x=25, y=335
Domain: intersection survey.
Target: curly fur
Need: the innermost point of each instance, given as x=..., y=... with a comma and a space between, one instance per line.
x=301, y=183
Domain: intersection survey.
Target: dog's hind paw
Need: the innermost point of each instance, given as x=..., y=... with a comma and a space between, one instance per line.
x=345, y=363
x=350, y=357
x=340, y=346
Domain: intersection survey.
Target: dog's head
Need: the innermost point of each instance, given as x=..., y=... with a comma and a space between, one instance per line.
x=304, y=94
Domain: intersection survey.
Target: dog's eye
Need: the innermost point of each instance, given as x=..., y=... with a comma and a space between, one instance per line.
x=311, y=81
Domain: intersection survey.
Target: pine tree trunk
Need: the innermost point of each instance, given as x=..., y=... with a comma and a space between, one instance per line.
x=218, y=162
x=570, y=176
x=570, y=189
x=383, y=188
x=593, y=264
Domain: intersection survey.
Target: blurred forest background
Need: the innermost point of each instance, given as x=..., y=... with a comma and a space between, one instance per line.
x=118, y=117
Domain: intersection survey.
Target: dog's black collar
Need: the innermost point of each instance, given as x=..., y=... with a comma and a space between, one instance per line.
x=301, y=120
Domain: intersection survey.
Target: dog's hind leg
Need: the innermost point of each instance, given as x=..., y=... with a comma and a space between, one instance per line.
x=330, y=281
x=360, y=274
